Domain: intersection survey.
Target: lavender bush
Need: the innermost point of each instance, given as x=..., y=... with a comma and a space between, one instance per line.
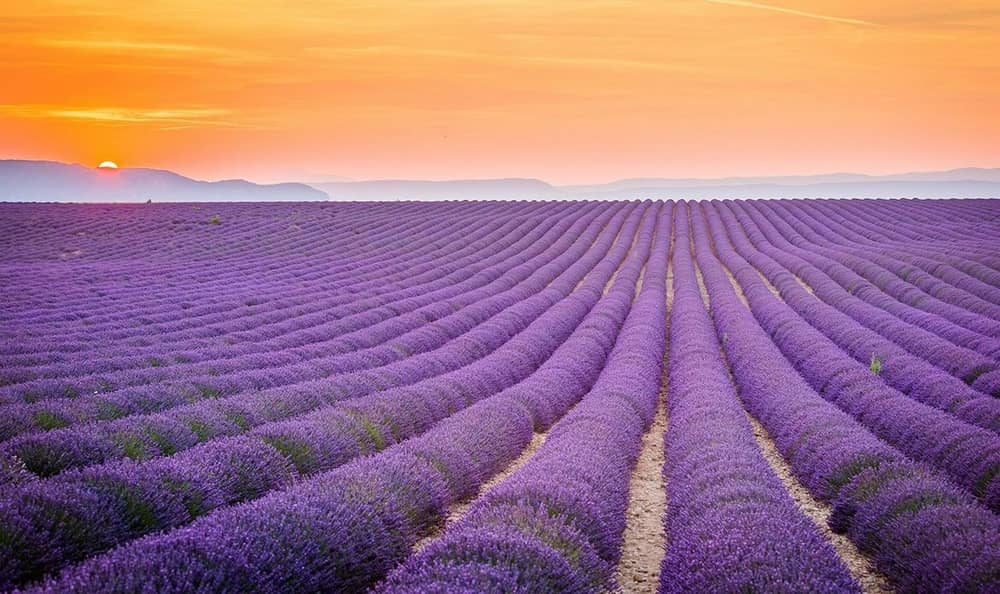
x=314, y=397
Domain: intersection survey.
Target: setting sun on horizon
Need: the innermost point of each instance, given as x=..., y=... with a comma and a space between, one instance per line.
x=565, y=91
x=108, y=165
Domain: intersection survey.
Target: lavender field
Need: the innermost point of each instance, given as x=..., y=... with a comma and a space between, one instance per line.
x=725, y=396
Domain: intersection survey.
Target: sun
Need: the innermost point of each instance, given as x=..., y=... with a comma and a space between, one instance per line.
x=108, y=165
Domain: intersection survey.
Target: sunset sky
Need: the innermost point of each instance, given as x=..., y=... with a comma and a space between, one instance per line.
x=567, y=91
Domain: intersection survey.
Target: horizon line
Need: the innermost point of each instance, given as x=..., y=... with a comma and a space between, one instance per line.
x=347, y=180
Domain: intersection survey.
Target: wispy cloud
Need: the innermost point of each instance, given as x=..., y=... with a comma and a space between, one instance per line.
x=140, y=116
x=801, y=13
x=171, y=118
x=126, y=45
x=572, y=61
x=163, y=49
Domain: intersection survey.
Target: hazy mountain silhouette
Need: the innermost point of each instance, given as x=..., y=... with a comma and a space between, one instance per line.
x=952, y=175
x=48, y=181
x=867, y=189
x=35, y=181
x=957, y=183
x=479, y=189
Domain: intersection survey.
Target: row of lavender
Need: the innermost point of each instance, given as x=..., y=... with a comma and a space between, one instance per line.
x=258, y=326
x=293, y=405
x=117, y=501
x=348, y=330
x=924, y=532
x=730, y=524
x=556, y=524
x=390, y=348
x=374, y=509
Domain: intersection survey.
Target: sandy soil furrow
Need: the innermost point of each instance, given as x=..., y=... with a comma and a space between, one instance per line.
x=860, y=567
x=644, y=539
x=858, y=564
x=458, y=509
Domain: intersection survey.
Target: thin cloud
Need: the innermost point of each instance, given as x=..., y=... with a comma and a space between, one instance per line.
x=113, y=114
x=572, y=61
x=165, y=49
x=125, y=45
x=168, y=118
x=792, y=11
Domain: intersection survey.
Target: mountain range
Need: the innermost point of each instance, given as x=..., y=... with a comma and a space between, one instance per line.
x=48, y=181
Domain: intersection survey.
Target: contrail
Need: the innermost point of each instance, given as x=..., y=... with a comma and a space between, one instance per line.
x=811, y=15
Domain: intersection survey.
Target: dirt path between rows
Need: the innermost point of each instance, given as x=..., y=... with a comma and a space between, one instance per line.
x=861, y=568
x=643, y=540
x=457, y=510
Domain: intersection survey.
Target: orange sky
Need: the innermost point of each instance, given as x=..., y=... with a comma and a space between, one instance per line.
x=569, y=91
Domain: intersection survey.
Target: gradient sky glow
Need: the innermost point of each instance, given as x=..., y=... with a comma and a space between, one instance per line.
x=569, y=91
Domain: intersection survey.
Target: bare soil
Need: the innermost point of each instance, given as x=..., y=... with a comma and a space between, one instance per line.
x=643, y=543
x=458, y=509
x=859, y=566
x=857, y=563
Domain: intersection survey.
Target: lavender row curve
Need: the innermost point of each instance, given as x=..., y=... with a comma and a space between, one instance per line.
x=382, y=238
x=388, y=240
x=21, y=418
x=142, y=437
x=555, y=525
x=910, y=375
x=957, y=324
x=928, y=284
x=962, y=363
x=354, y=296
x=924, y=533
x=106, y=380
x=364, y=516
x=105, y=500
x=730, y=524
x=940, y=261
x=375, y=273
x=372, y=271
x=970, y=455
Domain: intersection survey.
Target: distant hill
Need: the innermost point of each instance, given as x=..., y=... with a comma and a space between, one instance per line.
x=867, y=189
x=47, y=181
x=480, y=189
x=35, y=181
x=957, y=183
x=647, y=183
